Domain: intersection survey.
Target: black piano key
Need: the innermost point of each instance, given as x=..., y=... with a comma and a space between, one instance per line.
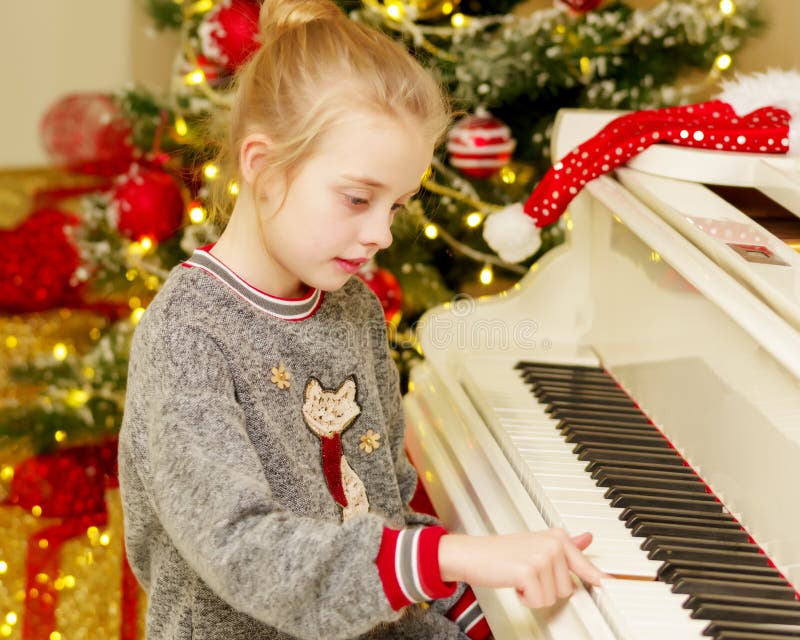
x=526, y=365
x=622, y=428
x=662, y=472
x=679, y=574
x=614, y=479
x=629, y=448
x=695, y=518
x=670, y=552
x=594, y=408
x=717, y=627
x=634, y=500
x=609, y=456
x=621, y=403
x=647, y=529
x=743, y=601
x=594, y=417
x=609, y=462
x=719, y=611
x=665, y=571
x=692, y=496
x=753, y=590
x=559, y=386
x=747, y=635
x=722, y=516
x=600, y=438
x=654, y=542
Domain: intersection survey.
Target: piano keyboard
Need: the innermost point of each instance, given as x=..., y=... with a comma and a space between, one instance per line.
x=592, y=461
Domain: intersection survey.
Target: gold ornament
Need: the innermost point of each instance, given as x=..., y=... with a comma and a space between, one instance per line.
x=370, y=441
x=280, y=377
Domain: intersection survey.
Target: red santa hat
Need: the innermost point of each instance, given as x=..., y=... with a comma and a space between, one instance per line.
x=753, y=114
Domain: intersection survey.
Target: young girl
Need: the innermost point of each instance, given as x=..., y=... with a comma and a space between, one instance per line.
x=263, y=477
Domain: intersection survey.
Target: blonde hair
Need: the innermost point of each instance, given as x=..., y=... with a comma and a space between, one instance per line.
x=314, y=67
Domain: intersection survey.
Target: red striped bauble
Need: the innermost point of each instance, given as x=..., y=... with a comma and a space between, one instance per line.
x=480, y=145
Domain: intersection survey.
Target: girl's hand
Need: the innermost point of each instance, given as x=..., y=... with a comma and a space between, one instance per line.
x=536, y=564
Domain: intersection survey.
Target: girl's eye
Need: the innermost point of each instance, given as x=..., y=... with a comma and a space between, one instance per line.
x=356, y=201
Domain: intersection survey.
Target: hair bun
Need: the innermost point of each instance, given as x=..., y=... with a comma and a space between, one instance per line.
x=280, y=16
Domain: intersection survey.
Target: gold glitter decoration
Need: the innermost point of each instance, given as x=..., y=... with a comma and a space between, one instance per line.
x=370, y=441
x=280, y=377
x=90, y=574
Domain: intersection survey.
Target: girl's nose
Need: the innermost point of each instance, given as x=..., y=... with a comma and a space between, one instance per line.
x=378, y=230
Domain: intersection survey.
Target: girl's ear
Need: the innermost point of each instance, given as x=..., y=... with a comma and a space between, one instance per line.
x=254, y=156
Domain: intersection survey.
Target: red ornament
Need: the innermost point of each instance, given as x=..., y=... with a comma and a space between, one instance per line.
x=385, y=286
x=86, y=132
x=228, y=33
x=38, y=263
x=708, y=125
x=480, y=145
x=581, y=6
x=147, y=202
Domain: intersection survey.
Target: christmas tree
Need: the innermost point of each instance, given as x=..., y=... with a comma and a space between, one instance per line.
x=149, y=173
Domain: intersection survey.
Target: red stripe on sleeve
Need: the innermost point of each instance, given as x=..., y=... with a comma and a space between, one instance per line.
x=480, y=630
x=466, y=599
x=430, y=575
x=387, y=572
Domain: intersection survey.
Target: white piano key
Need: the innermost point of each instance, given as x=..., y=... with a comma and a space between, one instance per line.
x=639, y=609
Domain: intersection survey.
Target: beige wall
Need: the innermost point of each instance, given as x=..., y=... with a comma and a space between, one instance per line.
x=52, y=47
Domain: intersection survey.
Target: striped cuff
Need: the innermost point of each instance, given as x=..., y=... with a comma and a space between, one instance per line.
x=468, y=616
x=408, y=564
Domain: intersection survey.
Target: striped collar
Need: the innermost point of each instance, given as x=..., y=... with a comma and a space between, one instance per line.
x=285, y=308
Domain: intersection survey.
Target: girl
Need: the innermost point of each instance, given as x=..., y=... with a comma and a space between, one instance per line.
x=263, y=477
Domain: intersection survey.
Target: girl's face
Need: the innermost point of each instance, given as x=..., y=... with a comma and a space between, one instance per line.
x=339, y=208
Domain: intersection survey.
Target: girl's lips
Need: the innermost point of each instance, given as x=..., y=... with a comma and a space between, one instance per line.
x=349, y=266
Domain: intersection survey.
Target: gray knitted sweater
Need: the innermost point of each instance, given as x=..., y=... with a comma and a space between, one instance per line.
x=231, y=522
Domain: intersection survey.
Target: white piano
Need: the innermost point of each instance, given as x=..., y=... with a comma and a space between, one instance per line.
x=667, y=308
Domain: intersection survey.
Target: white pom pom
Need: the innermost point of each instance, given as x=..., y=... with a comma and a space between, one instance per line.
x=773, y=88
x=512, y=233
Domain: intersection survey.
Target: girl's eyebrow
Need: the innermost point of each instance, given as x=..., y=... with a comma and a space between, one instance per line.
x=374, y=183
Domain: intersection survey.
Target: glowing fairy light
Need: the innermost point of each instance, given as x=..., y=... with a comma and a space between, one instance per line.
x=447, y=8
x=211, y=171
x=474, y=219
x=60, y=351
x=458, y=20
x=487, y=275
x=395, y=10
x=727, y=7
x=233, y=188
x=508, y=175
x=181, y=128
x=197, y=214
x=60, y=436
x=431, y=231
x=136, y=315
x=195, y=77
x=723, y=61
x=146, y=243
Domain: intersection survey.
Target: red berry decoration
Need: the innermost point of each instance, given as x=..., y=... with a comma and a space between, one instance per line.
x=147, y=202
x=38, y=263
x=228, y=33
x=385, y=286
x=86, y=132
x=581, y=6
x=480, y=145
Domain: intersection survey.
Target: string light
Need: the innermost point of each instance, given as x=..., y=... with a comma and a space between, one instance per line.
x=447, y=8
x=727, y=7
x=137, y=315
x=75, y=399
x=396, y=10
x=195, y=77
x=211, y=171
x=586, y=65
x=459, y=20
x=723, y=61
x=233, y=188
x=59, y=436
x=431, y=231
x=202, y=6
x=508, y=175
x=181, y=128
x=6, y=475
x=11, y=342
x=60, y=351
x=146, y=242
x=487, y=275
x=474, y=219
x=11, y=618
x=197, y=214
